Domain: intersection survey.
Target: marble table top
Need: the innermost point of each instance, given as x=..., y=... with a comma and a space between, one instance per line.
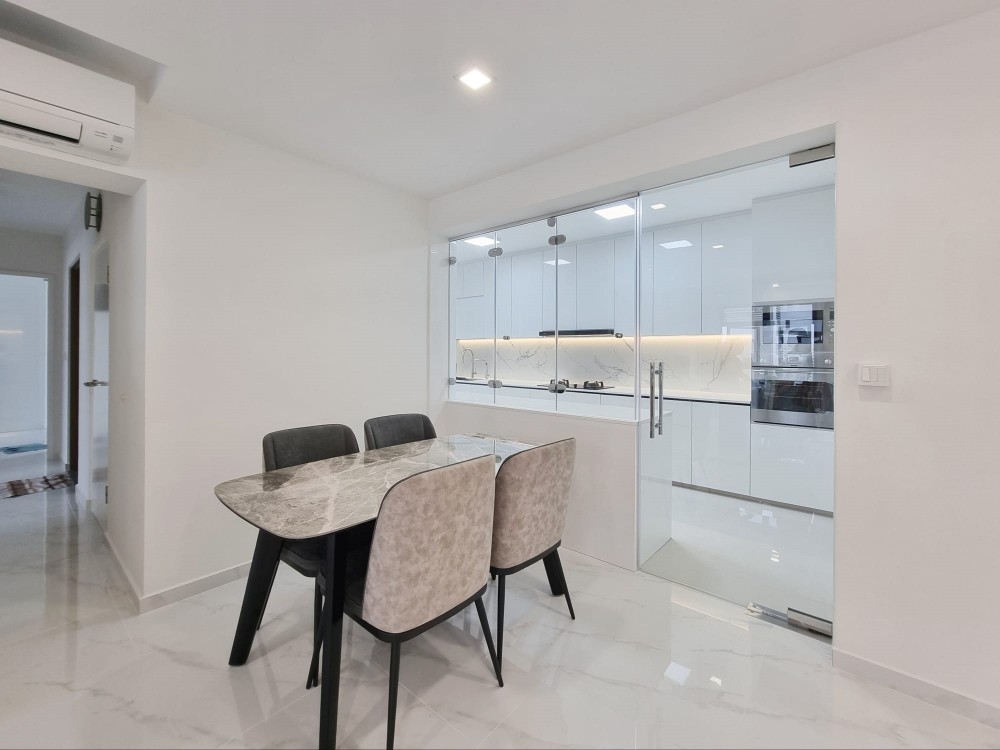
x=321, y=497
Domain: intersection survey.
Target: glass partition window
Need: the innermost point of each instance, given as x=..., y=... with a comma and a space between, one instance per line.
x=551, y=306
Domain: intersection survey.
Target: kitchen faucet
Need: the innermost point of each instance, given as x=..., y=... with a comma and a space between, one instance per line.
x=467, y=350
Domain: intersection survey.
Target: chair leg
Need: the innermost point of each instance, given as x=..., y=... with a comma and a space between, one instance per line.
x=393, y=690
x=558, y=568
x=267, y=595
x=501, y=595
x=313, y=679
x=481, y=609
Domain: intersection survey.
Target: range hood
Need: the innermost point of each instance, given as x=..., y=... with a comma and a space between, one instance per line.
x=580, y=332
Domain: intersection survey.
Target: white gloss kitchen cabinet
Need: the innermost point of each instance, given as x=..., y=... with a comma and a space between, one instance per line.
x=792, y=465
x=474, y=299
x=698, y=276
x=793, y=247
x=726, y=261
x=720, y=446
x=676, y=288
x=595, y=284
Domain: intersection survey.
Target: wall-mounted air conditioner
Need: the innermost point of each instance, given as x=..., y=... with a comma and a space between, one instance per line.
x=49, y=102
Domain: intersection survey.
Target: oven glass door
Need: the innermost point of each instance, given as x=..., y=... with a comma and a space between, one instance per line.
x=792, y=396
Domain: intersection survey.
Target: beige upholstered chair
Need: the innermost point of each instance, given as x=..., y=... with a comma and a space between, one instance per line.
x=429, y=560
x=532, y=494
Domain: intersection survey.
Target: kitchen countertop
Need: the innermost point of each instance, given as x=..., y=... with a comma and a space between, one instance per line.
x=720, y=397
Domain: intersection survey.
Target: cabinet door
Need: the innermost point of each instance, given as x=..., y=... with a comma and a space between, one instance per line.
x=565, y=279
x=595, y=284
x=470, y=279
x=526, y=294
x=725, y=272
x=504, y=296
x=677, y=280
x=793, y=247
x=681, y=420
x=625, y=285
x=720, y=446
x=793, y=465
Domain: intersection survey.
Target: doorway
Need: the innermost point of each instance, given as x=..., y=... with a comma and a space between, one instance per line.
x=73, y=374
x=736, y=318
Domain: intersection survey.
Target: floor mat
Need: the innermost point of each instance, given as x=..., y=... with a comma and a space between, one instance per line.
x=29, y=448
x=20, y=487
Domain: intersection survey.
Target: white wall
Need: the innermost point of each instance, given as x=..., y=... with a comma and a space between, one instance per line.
x=251, y=291
x=917, y=226
x=40, y=255
x=279, y=292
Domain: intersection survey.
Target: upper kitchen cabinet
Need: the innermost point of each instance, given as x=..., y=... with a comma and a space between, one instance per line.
x=624, y=264
x=677, y=280
x=595, y=284
x=725, y=274
x=559, y=288
x=505, y=296
x=793, y=246
x=519, y=278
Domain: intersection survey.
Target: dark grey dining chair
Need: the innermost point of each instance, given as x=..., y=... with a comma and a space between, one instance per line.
x=532, y=495
x=292, y=447
x=413, y=581
x=395, y=429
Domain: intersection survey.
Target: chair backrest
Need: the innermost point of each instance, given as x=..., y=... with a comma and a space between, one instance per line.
x=300, y=445
x=431, y=547
x=395, y=429
x=532, y=495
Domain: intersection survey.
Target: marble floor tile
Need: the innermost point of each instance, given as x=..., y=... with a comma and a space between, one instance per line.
x=646, y=664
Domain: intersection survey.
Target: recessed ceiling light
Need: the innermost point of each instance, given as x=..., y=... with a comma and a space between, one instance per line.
x=616, y=212
x=560, y=262
x=480, y=241
x=775, y=286
x=717, y=247
x=675, y=244
x=658, y=206
x=475, y=79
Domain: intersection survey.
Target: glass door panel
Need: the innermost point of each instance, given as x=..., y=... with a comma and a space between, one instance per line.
x=593, y=268
x=525, y=362
x=472, y=290
x=710, y=250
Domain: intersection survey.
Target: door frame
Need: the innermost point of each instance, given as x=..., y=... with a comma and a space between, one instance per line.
x=73, y=372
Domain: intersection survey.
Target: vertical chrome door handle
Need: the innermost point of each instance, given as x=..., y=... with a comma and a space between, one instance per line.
x=659, y=374
x=652, y=395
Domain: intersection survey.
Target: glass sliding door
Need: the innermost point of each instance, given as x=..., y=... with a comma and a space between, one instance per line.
x=472, y=290
x=751, y=509
x=525, y=359
x=592, y=309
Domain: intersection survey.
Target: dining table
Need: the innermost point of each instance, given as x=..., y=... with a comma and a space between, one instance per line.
x=327, y=499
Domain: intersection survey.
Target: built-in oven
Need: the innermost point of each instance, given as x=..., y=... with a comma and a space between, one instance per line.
x=793, y=334
x=793, y=396
x=791, y=379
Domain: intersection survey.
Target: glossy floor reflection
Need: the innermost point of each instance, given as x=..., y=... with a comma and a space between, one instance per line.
x=647, y=664
x=748, y=552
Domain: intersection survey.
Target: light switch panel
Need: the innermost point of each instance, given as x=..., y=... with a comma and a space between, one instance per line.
x=873, y=375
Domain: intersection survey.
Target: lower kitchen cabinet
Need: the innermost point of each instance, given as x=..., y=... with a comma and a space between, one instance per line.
x=792, y=465
x=681, y=411
x=720, y=446
x=470, y=393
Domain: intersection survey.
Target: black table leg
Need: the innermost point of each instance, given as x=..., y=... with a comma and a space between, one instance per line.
x=266, y=557
x=335, y=576
x=553, y=571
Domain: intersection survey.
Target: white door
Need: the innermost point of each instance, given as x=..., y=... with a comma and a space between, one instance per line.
x=97, y=385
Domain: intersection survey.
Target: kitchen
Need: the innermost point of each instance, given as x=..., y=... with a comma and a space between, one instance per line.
x=726, y=305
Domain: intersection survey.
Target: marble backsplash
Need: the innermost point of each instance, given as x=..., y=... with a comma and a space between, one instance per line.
x=710, y=363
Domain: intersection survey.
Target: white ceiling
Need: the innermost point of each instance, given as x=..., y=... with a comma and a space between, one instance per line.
x=35, y=204
x=369, y=86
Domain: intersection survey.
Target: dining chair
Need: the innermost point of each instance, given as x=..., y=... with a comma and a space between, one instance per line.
x=395, y=429
x=292, y=447
x=429, y=560
x=532, y=495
